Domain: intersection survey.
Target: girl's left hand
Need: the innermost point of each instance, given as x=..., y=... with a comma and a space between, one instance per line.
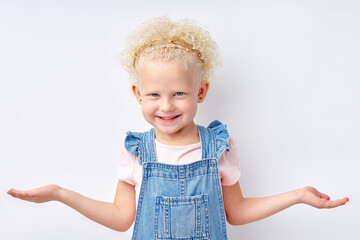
x=312, y=197
x=38, y=195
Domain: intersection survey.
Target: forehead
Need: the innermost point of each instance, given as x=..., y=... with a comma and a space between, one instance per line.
x=158, y=72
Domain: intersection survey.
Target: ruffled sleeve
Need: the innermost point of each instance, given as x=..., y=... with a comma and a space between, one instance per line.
x=221, y=137
x=132, y=143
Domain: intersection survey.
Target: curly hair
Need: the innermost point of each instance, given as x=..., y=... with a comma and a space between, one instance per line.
x=162, y=27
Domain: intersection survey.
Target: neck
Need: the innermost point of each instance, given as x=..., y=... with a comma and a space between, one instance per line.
x=185, y=136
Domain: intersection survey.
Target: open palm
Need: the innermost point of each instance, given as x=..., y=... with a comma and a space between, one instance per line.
x=313, y=197
x=38, y=195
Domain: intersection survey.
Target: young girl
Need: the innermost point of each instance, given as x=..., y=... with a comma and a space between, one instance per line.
x=177, y=180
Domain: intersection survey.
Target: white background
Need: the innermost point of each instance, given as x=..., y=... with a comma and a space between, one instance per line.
x=288, y=92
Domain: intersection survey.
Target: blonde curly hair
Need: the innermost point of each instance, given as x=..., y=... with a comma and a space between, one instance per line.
x=162, y=27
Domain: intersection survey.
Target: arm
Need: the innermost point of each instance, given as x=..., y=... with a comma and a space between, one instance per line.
x=118, y=215
x=240, y=210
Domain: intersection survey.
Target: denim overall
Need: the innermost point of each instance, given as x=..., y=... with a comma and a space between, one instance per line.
x=180, y=202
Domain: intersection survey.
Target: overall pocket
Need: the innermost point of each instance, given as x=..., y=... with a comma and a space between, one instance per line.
x=182, y=217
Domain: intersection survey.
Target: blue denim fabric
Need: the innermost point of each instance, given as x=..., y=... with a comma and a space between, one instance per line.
x=180, y=202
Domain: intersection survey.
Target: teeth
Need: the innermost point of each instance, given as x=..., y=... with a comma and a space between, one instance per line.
x=169, y=118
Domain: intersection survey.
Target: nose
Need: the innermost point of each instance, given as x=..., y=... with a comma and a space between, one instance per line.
x=166, y=105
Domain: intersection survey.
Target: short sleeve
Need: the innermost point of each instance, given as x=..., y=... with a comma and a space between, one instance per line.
x=229, y=165
x=126, y=167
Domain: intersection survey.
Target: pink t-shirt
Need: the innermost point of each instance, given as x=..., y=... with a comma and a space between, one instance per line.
x=130, y=171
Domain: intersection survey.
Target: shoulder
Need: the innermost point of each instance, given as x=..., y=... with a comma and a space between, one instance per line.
x=219, y=129
x=135, y=140
x=139, y=144
x=132, y=142
x=214, y=138
x=221, y=135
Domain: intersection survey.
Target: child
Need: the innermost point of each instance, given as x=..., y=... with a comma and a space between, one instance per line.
x=178, y=180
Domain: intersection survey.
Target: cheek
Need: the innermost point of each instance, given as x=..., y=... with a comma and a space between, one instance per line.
x=190, y=106
x=148, y=108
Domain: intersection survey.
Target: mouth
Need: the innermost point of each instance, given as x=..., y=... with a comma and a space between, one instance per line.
x=167, y=118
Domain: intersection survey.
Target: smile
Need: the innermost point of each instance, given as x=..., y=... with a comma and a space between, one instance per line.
x=168, y=118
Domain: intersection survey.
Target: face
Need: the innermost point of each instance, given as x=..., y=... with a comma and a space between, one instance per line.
x=169, y=94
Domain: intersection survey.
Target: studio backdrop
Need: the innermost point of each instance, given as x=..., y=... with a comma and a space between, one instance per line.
x=288, y=91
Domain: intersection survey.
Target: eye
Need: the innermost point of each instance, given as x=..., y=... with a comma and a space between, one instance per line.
x=179, y=93
x=154, y=94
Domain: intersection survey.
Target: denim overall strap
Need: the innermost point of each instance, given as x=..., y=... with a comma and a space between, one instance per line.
x=148, y=147
x=214, y=140
x=207, y=138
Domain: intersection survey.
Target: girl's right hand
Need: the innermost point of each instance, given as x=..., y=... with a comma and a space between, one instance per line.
x=38, y=195
x=118, y=215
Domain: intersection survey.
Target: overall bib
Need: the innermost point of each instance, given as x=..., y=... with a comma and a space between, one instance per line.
x=180, y=202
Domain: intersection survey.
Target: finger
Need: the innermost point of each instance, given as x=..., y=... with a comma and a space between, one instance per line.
x=345, y=200
x=323, y=195
x=336, y=203
x=24, y=195
x=13, y=192
x=315, y=192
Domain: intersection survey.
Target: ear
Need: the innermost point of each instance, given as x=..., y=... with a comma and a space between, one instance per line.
x=203, y=89
x=135, y=89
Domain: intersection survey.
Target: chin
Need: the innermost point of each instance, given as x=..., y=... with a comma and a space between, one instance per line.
x=168, y=130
